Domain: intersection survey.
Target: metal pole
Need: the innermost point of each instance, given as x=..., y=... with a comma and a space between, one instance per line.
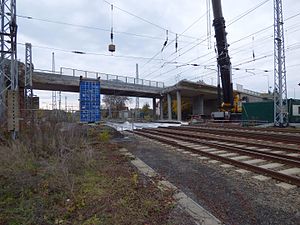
x=280, y=87
x=9, y=76
x=137, y=100
x=53, y=92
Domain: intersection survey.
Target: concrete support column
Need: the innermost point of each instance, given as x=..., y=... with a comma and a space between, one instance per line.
x=169, y=107
x=161, y=109
x=198, y=105
x=154, y=108
x=179, y=118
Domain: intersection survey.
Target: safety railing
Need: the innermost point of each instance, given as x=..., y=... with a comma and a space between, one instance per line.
x=254, y=93
x=110, y=77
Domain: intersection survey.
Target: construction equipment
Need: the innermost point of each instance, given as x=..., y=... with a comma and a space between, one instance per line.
x=229, y=103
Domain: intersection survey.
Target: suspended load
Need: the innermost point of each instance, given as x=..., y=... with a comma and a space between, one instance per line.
x=111, y=46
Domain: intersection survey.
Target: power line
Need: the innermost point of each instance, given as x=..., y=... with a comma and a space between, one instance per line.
x=177, y=36
x=247, y=12
x=146, y=20
x=89, y=53
x=233, y=21
x=89, y=27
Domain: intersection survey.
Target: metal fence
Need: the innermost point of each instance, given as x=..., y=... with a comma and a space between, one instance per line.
x=110, y=77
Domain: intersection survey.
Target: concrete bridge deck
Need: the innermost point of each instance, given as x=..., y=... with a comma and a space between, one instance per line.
x=203, y=96
x=110, y=84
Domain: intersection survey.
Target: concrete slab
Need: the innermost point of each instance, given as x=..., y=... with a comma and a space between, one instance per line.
x=254, y=161
x=191, y=146
x=208, y=150
x=197, y=212
x=200, y=147
x=294, y=154
x=271, y=165
x=278, y=152
x=240, y=158
x=143, y=168
x=264, y=149
x=252, y=147
x=228, y=154
x=219, y=152
x=203, y=158
x=291, y=171
x=240, y=146
x=213, y=161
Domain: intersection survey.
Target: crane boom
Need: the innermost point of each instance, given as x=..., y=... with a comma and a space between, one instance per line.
x=223, y=59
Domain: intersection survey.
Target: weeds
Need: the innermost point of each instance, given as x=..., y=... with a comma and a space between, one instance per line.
x=64, y=173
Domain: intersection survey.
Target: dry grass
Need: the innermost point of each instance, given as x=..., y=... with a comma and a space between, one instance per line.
x=66, y=173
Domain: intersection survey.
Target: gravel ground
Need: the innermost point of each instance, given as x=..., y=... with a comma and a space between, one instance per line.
x=232, y=197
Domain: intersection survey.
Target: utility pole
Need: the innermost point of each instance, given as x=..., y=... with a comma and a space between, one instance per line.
x=54, y=106
x=280, y=87
x=9, y=76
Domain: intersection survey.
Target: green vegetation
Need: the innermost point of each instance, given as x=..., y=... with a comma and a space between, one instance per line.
x=70, y=174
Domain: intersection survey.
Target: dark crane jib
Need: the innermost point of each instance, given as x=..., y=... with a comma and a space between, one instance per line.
x=223, y=56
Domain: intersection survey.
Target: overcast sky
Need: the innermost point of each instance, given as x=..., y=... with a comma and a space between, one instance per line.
x=138, y=41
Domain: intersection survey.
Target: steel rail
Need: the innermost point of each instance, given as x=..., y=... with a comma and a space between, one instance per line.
x=276, y=175
x=260, y=136
x=254, y=153
x=224, y=138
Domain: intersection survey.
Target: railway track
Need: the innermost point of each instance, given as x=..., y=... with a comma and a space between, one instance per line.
x=258, y=135
x=283, y=167
x=269, y=129
x=291, y=148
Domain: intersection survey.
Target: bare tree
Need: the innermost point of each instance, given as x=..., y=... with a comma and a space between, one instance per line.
x=114, y=103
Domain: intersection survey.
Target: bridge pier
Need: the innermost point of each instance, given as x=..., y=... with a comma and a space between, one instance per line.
x=161, y=109
x=198, y=103
x=179, y=114
x=169, y=106
x=154, y=108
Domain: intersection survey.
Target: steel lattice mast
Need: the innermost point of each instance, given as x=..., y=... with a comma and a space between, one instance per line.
x=9, y=76
x=28, y=76
x=280, y=87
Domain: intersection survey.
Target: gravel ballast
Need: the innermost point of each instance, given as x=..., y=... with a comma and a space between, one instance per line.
x=232, y=197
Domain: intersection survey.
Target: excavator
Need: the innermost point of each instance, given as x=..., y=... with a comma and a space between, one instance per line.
x=230, y=104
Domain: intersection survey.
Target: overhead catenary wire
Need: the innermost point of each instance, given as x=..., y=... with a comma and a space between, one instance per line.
x=93, y=28
x=177, y=36
x=241, y=16
x=162, y=60
x=237, y=18
x=146, y=20
x=88, y=53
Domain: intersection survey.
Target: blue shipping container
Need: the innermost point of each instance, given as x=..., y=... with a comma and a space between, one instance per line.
x=89, y=100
